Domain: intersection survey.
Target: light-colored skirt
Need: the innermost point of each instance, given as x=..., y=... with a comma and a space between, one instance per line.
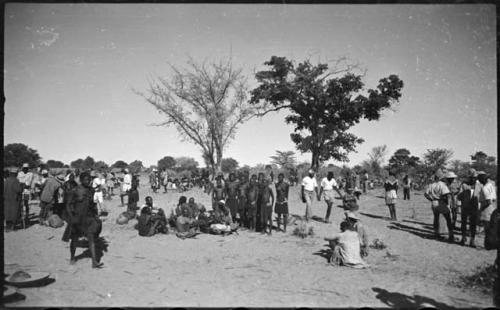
x=390, y=197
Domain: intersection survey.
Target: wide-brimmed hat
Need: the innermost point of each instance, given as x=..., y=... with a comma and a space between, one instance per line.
x=473, y=173
x=26, y=165
x=480, y=172
x=222, y=202
x=449, y=175
x=61, y=176
x=352, y=215
x=126, y=170
x=93, y=173
x=45, y=171
x=310, y=171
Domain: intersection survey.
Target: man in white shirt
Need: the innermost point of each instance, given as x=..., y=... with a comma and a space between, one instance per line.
x=487, y=199
x=328, y=184
x=438, y=194
x=26, y=179
x=126, y=185
x=309, y=188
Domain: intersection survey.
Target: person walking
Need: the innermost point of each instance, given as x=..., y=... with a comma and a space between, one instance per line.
x=328, y=185
x=308, y=189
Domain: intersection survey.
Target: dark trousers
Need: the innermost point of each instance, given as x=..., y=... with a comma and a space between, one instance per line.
x=471, y=219
x=447, y=217
x=406, y=193
x=45, y=210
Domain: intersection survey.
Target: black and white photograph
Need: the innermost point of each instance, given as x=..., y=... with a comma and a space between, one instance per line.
x=250, y=155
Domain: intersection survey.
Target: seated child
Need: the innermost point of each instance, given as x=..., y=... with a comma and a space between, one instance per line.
x=349, y=201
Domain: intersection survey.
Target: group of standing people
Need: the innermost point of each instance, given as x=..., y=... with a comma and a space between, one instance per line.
x=475, y=197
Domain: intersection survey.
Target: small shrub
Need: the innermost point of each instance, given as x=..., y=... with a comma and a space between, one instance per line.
x=303, y=231
x=378, y=244
x=482, y=279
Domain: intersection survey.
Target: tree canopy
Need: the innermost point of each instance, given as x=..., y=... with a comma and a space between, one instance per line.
x=402, y=161
x=136, y=166
x=167, y=162
x=284, y=159
x=229, y=165
x=120, y=164
x=205, y=102
x=323, y=104
x=185, y=163
x=84, y=164
x=16, y=154
x=54, y=164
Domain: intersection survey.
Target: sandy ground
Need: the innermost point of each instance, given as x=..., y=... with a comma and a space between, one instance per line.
x=251, y=269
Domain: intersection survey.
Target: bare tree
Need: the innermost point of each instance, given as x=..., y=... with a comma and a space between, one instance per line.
x=206, y=102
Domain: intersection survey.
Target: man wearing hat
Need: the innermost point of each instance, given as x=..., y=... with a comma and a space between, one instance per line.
x=308, y=190
x=438, y=194
x=354, y=221
x=487, y=199
x=468, y=210
x=48, y=196
x=26, y=180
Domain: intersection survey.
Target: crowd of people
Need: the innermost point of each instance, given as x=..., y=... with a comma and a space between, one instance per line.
x=240, y=201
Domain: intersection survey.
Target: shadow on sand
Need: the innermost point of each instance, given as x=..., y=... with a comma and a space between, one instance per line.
x=375, y=216
x=326, y=252
x=101, y=246
x=399, y=300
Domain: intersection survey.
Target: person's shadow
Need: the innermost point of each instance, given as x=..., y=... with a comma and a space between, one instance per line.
x=101, y=246
x=399, y=300
x=326, y=253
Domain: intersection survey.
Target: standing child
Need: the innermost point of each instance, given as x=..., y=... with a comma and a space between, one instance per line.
x=266, y=206
x=281, y=206
x=218, y=194
x=133, y=198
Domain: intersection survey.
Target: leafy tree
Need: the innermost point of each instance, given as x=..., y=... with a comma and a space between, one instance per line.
x=205, y=102
x=323, y=105
x=88, y=163
x=16, y=154
x=435, y=159
x=482, y=162
x=120, y=164
x=185, y=164
x=100, y=165
x=136, y=166
x=166, y=162
x=229, y=165
x=376, y=160
x=402, y=161
x=54, y=164
x=84, y=164
x=77, y=164
x=284, y=159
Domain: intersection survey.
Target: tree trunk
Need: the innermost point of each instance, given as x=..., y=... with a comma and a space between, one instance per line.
x=315, y=161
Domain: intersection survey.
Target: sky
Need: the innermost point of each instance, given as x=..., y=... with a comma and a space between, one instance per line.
x=70, y=70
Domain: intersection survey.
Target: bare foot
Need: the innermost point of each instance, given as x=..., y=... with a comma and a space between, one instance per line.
x=98, y=265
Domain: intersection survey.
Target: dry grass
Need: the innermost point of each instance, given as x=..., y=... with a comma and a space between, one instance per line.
x=303, y=231
x=481, y=279
x=378, y=244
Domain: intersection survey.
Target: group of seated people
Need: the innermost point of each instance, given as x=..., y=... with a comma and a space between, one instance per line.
x=188, y=219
